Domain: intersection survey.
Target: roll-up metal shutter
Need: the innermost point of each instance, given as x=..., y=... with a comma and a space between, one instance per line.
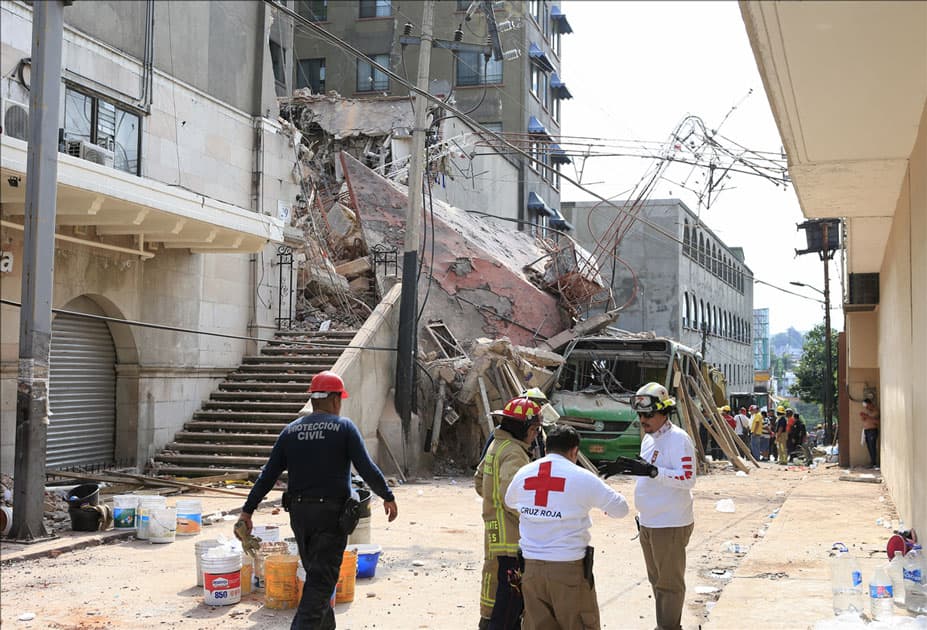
x=82, y=393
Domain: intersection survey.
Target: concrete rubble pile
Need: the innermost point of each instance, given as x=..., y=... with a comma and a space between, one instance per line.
x=55, y=512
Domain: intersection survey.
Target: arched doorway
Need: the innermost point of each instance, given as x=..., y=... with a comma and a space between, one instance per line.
x=82, y=389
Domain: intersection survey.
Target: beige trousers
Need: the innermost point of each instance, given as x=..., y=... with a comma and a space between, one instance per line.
x=558, y=597
x=665, y=556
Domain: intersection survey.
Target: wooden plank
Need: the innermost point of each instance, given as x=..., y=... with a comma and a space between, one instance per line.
x=735, y=441
x=714, y=429
x=439, y=413
x=691, y=428
x=486, y=408
x=392, y=457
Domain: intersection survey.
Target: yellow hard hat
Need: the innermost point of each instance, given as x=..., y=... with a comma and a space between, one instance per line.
x=726, y=408
x=780, y=409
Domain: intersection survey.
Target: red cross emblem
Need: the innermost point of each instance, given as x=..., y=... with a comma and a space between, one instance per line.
x=544, y=484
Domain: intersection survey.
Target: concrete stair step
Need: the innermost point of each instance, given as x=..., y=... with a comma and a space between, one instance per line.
x=316, y=335
x=280, y=378
x=273, y=428
x=162, y=468
x=187, y=437
x=284, y=368
x=237, y=406
x=218, y=449
x=302, y=349
x=205, y=460
x=291, y=388
x=320, y=358
x=299, y=396
x=252, y=416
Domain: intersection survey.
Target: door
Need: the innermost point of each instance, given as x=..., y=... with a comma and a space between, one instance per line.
x=82, y=390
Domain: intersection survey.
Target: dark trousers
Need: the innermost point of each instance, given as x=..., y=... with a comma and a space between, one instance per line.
x=872, y=445
x=321, y=548
x=506, y=613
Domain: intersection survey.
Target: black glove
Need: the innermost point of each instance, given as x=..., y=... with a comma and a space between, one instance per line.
x=628, y=466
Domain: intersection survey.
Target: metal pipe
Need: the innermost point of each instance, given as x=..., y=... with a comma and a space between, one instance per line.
x=828, y=362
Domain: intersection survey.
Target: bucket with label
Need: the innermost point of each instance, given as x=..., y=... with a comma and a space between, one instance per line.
x=162, y=525
x=280, y=581
x=145, y=505
x=221, y=577
x=267, y=549
x=189, y=517
x=347, y=577
x=6, y=520
x=267, y=533
x=124, y=507
x=201, y=547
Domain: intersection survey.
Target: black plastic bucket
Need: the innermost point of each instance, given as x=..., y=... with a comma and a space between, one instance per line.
x=85, y=494
x=364, y=498
x=84, y=519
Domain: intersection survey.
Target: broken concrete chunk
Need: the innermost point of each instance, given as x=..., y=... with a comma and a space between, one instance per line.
x=360, y=285
x=354, y=268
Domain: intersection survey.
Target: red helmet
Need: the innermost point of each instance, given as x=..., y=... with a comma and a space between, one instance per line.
x=521, y=409
x=326, y=383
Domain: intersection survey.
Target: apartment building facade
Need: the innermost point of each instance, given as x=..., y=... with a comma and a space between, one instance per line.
x=693, y=288
x=174, y=190
x=519, y=96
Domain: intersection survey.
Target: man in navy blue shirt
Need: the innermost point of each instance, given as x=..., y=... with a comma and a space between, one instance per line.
x=317, y=452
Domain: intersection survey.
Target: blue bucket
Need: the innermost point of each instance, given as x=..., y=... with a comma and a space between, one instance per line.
x=367, y=557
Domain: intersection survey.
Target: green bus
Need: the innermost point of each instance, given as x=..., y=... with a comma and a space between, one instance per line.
x=597, y=379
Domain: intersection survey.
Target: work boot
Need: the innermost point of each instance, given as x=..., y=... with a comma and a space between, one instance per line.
x=484, y=624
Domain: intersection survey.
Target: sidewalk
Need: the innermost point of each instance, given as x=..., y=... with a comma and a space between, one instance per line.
x=784, y=580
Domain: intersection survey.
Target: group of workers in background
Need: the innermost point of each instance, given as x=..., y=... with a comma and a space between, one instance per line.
x=537, y=571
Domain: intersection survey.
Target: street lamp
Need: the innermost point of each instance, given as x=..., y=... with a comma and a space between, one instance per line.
x=807, y=286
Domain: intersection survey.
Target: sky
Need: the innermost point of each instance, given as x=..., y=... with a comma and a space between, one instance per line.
x=635, y=70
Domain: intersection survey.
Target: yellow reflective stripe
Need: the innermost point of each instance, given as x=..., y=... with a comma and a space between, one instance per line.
x=497, y=500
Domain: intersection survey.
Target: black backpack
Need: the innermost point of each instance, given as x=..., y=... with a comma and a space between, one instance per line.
x=798, y=432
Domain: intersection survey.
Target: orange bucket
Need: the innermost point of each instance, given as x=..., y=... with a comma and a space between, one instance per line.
x=347, y=577
x=280, y=587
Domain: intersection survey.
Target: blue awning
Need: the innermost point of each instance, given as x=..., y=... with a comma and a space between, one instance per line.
x=559, y=223
x=535, y=126
x=562, y=24
x=558, y=155
x=558, y=88
x=540, y=58
x=537, y=204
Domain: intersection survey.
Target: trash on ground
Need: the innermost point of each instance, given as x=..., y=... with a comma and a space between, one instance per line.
x=741, y=473
x=725, y=505
x=28, y=616
x=704, y=590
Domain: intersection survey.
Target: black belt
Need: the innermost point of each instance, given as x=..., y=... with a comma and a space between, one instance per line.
x=308, y=498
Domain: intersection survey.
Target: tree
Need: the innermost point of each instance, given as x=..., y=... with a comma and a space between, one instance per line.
x=812, y=365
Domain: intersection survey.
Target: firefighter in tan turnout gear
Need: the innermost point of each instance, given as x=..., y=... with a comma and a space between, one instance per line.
x=501, y=603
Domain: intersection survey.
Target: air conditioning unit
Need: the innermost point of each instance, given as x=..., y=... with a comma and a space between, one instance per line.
x=864, y=292
x=15, y=120
x=89, y=151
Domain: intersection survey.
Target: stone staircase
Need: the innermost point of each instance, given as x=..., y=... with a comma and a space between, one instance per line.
x=236, y=428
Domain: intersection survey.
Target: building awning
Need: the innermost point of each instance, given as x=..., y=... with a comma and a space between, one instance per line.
x=558, y=88
x=559, y=223
x=120, y=205
x=538, y=205
x=558, y=155
x=563, y=26
x=539, y=57
x=535, y=126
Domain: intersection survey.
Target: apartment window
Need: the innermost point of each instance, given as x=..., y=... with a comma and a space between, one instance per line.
x=463, y=5
x=555, y=176
x=474, y=69
x=278, y=61
x=534, y=150
x=555, y=108
x=539, y=85
x=375, y=8
x=534, y=9
x=104, y=124
x=557, y=41
x=685, y=309
x=315, y=10
x=545, y=19
x=370, y=79
x=310, y=73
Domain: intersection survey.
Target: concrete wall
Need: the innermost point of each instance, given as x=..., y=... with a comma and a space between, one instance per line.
x=903, y=343
x=665, y=275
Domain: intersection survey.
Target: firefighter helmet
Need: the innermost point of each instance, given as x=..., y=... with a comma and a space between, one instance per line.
x=652, y=397
x=535, y=394
x=521, y=409
x=326, y=383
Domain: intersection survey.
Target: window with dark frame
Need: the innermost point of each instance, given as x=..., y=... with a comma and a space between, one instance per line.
x=314, y=10
x=369, y=78
x=278, y=62
x=475, y=69
x=106, y=125
x=375, y=8
x=311, y=73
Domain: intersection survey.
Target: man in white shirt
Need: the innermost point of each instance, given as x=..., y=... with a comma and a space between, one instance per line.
x=663, y=496
x=553, y=497
x=742, y=426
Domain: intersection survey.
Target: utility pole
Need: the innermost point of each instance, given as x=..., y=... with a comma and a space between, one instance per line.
x=408, y=302
x=704, y=340
x=828, y=365
x=38, y=272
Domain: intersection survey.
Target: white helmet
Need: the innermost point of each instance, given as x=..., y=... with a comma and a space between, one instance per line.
x=653, y=397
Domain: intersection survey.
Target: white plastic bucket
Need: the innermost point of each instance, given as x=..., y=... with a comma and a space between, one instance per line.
x=145, y=505
x=221, y=579
x=124, y=508
x=6, y=520
x=361, y=533
x=267, y=533
x=201, y=547
x=189, y=517
x=162, y=525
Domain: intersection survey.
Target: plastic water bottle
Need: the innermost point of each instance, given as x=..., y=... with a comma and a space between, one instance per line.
x=896, y=573
x=881, y=603
x=846, y=582
x=915, y=581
